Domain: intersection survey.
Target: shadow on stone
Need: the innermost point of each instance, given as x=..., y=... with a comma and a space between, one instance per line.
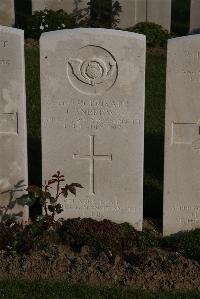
x=35, y=171
x=154, y=155
x=153, y=177
x=5, y=210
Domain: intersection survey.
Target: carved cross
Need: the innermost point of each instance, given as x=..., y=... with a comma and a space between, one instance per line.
x=92, y=157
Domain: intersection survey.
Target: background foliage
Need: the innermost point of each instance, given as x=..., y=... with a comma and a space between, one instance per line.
x=156, y=35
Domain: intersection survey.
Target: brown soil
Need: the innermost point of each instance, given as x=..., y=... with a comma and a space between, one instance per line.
x=157, y=51
x=155, y=270
x=31, y=43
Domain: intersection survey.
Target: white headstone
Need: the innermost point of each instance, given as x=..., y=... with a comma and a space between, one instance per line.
x=127, y=15
x=133, y=12
x=93, y=85
x=195, y=14
x=159, y=12
x=136, y=11
x=141, y=11
x=67, y=5
x=13, y=137
x=7, y=13
x=182, y=137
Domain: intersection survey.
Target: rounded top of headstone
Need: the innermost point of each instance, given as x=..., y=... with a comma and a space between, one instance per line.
x=11, y=30
x=95, y=31
x=182, y=39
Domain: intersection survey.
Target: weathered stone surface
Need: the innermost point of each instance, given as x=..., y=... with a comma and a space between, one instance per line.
x=7, y=13
x=135, y=11
x=128, y=14
x=67, y=5
x=159, y=11
x=182, y=140
x=13, y=138
x=195, y=14
x=92, y=83
x=141, y=11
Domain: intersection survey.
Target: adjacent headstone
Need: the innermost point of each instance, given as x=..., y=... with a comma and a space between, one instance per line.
x=133, y=12
x=93, y=85
x=182, y=137
x=141, y=11
x=7, y=13
x=13, y=138
x=67, y=5
x=136, y=11
x=127, y=15
x=195, y=15
x=159, y=12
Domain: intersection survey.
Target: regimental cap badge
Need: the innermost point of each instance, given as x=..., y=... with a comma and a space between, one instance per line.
x=93, y=71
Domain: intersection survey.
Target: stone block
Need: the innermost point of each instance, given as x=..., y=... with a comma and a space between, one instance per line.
x=93, y=89
x=13, y=135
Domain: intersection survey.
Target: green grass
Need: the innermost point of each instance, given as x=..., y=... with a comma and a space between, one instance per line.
x=154, y=127
x=61, y=290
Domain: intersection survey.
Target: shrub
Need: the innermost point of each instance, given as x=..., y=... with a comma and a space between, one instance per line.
x=104, y=13
x=156, y=35
x=49, y=20
x=99, y=236
x=147, y=239
x=188, y=244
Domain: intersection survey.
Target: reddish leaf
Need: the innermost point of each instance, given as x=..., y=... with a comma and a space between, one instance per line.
x=76, y=185
x=51, y=181
x=72, y=189
x=64, y=192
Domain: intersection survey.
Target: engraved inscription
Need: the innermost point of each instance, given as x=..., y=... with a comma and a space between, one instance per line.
x=89, y=207
x=92, y=70
x=4, y=61
x=92, y=157
x=192, y=75
x=8, y=123
x=193, y=55
x=94, y=114
x=3, y=43
x=188, y=214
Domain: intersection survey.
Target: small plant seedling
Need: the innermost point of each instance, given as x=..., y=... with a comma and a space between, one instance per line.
x=48, y=199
